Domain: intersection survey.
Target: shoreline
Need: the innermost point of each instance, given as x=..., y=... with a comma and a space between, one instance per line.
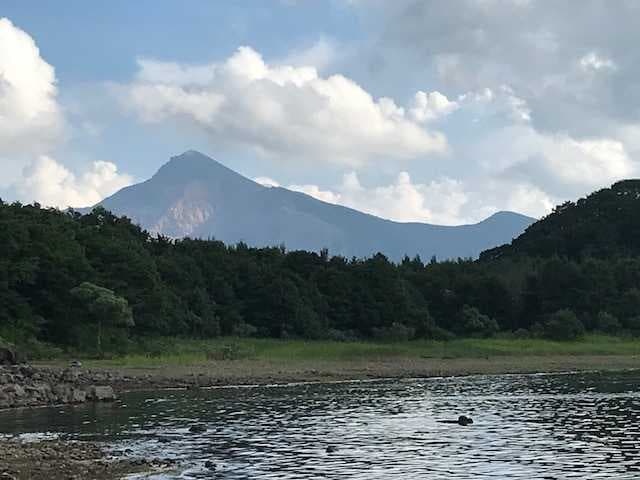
x=55, y=459
x=60, y=459
x=226, y=373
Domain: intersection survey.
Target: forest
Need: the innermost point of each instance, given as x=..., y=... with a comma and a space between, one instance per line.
x=96, y=281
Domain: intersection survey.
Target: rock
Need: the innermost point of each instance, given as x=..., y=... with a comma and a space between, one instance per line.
x=331, y=449
x=101, y=394
x=210, y=465
x=15, y=389
x=8, y=356
x=70, y=375
x=75, y=364
x=464, y=420
x=198, y=429
x=78, y=396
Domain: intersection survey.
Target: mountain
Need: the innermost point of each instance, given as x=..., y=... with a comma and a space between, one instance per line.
x=604, y=224
x=195, y=196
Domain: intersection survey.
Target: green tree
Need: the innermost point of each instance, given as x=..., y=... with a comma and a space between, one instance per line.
x=103, y=307
x=563, y=325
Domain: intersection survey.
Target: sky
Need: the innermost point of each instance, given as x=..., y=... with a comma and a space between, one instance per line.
x=413, y=110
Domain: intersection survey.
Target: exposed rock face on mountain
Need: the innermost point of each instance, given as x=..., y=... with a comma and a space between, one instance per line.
x=195, y=196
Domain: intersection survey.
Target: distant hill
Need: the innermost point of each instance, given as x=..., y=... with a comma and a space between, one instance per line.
x=604, y=224
x=195, y=196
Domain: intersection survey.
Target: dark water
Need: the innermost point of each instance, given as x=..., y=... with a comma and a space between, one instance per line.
x=526, y=427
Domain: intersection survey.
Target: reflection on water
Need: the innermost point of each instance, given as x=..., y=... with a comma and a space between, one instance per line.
x=526, y=427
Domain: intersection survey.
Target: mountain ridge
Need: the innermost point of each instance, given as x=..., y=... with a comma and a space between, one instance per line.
x=193, y=195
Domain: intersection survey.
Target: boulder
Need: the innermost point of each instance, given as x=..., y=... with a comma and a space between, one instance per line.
x=101, y=394
x=70, y=375
x=8, y=356
x=78, y=396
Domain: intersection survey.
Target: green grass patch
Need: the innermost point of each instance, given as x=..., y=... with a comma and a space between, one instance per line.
x=174, y=351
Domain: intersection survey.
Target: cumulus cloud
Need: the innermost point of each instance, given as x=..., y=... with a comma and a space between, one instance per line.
x=30, y=117
x=431, y=105
x=32, y=125
x=48, y=182
x=320, y=55
x=548, y=55
x=281, y=111
x=558, y=162
x=444, y=201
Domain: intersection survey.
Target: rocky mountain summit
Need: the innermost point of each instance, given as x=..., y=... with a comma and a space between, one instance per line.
x=195, y=196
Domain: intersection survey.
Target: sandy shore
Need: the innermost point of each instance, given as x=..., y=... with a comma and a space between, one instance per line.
x=247, y=372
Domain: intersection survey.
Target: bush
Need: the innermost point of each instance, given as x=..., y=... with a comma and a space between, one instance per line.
x=439, y=333
x=632, y=325
x=244, y=329
x=336, y=335
x=522, y=334
x=563, y=326
x=608, y=323
x=476, y=324
x=395, y=332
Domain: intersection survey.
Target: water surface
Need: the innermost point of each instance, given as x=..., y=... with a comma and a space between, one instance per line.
x=526, y=426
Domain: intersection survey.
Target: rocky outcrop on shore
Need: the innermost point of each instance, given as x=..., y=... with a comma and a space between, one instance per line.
x=26, y=386
x=58, y=460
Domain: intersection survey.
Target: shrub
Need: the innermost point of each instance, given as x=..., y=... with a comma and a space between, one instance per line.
x=522, y=333
x=342, y=335
x=244, y=329
x=608, y=323
x=477, y=324
x=564, y=326
x=394, y=332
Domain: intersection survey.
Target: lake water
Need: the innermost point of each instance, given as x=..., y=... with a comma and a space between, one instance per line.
x=582, y=426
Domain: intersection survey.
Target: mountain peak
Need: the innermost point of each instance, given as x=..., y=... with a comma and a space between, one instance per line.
x=193, y=165
x=194, y=195
x=192, y=157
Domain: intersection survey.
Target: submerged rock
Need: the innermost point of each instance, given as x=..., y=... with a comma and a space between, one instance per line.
x=197, y=429
x=462, y=420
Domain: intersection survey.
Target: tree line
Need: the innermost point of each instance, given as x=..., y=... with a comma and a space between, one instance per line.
x=93, y=281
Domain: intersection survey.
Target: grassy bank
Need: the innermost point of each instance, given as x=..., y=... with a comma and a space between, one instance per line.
x=183, y=352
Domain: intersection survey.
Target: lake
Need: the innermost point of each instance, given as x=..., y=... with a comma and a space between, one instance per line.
x=582, y=426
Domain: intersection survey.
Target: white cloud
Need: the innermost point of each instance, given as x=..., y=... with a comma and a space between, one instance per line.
x=503, y=101
x=444, y=201
x=431, y=105
x=266, y=182
x=48, y=182
x=281, y=111
x=557, y=161
x=32, y=125
x=30, y=117
x=593, y=61
x=319, y=55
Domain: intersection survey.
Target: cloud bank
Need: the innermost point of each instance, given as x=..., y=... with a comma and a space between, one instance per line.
x=286, y=112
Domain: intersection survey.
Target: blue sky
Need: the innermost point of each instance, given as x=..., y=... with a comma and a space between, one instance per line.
x=442, y=112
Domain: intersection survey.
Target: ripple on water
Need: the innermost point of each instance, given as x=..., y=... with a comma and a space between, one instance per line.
x=525, y=427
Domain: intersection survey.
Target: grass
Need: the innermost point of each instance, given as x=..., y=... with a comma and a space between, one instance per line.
x=173, y=351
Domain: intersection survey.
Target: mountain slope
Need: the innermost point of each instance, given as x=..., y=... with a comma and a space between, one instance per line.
x=193, y=195
x=604, y=224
